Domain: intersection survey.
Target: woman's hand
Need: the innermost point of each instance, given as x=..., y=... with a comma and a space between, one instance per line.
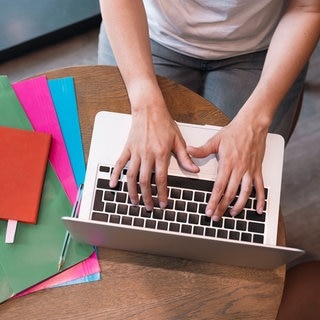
x=240, y=148
x=153, y=137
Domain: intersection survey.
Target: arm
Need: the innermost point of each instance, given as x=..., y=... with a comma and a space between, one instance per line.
x=153, y=134
x=291, y=46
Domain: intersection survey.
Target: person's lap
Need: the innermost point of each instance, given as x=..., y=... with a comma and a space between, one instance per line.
x=226, y=83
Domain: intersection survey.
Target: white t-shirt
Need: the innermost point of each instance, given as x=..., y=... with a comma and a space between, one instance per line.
x=213, y=29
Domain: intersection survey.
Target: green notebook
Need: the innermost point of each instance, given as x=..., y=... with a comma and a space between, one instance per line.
x=34, y=255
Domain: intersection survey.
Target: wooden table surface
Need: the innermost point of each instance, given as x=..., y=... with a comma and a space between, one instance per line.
x=141, y=286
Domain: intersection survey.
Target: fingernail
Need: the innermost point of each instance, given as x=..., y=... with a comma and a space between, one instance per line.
x=163, y=205
x=233, y=212
x=260, y=210
x=112, y=183
x=134, y=202
x=215, y=218
x=149, y=208
x=209, y=212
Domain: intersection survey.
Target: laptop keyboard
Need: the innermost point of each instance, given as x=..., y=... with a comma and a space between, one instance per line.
x=185, y=213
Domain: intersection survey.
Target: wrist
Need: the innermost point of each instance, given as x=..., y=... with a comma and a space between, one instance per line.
x=145, y=95
x=259, y=110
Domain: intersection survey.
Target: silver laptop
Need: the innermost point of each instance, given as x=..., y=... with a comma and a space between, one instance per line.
x=107, y=218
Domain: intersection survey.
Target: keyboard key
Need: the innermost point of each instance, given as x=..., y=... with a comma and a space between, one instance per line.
x=138, y=222
x=134, y=210
x=162, y=225
x=240, y=215
x=156, y=202
x=182, y=217
x=175, y=193
x=169, y=215
x=111, y=207
x=189, y=183
x=202, y=208
x=104, y=169
x=114, y=218
x=254, y=216
x=193, y=218
x=104, y=184
x=241, y=225
x=210, y=232
x=174, y=227
x=205, y=220
x=151, y=224
x=121, y=197
x=217, y=224
x=248, y=204
x=234, y=235
x=157, y=213
x=222, y=233
x=258, y=238
x=256, y=227
x=229, y=223
x=109, y=195
x=98, y=216
x=187, y=195
x=170, y=204
x=145, y=213
x=199, y=196
x=198, y=230
x=264, y=206
x=122, y=208
x=126, y=221
x=246, y=237
x=180, y=205
x=98, y=203
x=185, y=228
x=192, y=207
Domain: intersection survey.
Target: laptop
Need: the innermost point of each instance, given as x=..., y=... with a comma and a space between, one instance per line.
x=107, y=218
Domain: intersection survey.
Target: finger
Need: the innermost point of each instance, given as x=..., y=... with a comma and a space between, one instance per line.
x=145, y=184
x=228, y=196
x=260, y=193
x=245, y=191
x=218, y=190
x=161, y=174
x=132, y=176
x=120, y=164
x=210, y=147
x=185, y=161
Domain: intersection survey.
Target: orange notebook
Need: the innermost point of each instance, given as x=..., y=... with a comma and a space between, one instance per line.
x=23, y=161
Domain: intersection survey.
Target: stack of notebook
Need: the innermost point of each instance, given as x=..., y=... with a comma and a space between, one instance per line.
x=41, y=167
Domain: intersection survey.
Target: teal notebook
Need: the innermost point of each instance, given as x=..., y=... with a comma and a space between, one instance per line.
x=34, y=255
x=64, y=98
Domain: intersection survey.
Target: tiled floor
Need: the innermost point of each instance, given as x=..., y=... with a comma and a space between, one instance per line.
x=301, y=177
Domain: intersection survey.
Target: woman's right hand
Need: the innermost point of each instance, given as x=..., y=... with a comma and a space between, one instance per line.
x=153, y=137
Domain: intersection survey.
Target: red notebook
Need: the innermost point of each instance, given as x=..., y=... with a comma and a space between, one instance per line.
x=23, y=161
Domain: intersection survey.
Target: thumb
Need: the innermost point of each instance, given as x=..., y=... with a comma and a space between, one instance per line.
x=210, y=147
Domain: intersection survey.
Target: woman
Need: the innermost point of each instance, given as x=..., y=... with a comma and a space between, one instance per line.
x=247, y=57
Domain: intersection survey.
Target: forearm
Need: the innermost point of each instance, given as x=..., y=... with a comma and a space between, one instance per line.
x=127, y=29
x=291, y=46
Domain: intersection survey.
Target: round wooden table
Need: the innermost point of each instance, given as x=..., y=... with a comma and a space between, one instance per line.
x=141, y=286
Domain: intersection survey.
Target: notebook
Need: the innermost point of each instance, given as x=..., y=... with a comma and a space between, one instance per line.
x=23, y=162
x=107, y=218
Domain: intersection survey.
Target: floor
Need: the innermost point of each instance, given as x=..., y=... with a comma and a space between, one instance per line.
x=301, y=177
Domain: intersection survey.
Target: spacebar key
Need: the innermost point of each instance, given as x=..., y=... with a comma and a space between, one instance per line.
x=190, y=183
